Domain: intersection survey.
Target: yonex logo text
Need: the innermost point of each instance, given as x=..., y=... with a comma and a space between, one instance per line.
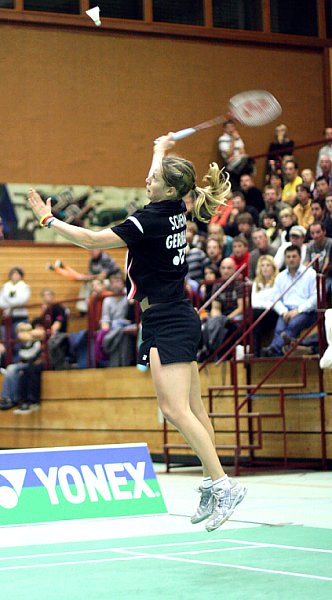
x=105, y=480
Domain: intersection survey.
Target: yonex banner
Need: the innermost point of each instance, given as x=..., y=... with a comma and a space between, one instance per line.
x=54, y=484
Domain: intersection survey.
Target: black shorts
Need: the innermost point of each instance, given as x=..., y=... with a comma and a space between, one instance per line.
x=174, y=328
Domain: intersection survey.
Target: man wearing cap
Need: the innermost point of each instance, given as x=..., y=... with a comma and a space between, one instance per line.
x=297, y=235
x=302, y=210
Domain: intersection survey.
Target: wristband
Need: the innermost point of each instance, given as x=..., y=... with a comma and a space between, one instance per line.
x=43, y=220
x=49, y=222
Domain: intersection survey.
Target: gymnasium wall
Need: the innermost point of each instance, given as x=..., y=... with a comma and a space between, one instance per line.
x=83, y=107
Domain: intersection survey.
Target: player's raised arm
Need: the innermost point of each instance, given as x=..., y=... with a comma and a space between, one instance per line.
x=160, y=148
x=76, y=235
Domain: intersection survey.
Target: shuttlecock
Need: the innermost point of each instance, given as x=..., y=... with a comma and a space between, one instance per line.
x=93, y=13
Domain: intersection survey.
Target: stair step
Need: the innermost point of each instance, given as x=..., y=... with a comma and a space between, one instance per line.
x=290, y=358
x=185, y=446
x=244, y=415
x=240, y=415
x=265, y=386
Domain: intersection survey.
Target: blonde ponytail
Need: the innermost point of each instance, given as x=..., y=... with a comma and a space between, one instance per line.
x=180, y=173
x=212, y=196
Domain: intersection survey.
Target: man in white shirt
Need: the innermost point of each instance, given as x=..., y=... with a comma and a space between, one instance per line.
x=232, y=150
x=230, y=143
x=14, y=296
x=297, y=308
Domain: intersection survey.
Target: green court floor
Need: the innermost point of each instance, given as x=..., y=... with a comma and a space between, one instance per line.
x=277, y=563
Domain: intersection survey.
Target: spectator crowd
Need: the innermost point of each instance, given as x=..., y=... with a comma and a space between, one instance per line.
x=271, y=234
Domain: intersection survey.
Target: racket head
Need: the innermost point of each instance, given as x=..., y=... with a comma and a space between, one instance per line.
x=255, y=107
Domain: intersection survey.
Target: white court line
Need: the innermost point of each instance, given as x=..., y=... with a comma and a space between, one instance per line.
x=67, y=553
x=74, y=562
x=239, y=567
x=133, y=556
x=166, y=545
x=139, y=556
x=101, y=550
x=192, y=552
x=282, y=546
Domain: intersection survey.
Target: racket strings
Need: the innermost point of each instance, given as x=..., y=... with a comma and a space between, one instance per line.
x=255, y=108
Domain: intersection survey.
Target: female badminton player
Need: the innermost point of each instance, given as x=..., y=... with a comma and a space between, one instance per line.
x=156, y=268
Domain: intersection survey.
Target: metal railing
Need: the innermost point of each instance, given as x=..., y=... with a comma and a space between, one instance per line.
x=244, y=394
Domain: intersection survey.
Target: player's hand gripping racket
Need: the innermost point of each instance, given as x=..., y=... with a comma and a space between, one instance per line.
x=252, y=108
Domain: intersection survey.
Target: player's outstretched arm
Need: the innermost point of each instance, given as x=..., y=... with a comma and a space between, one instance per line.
x=76, y=235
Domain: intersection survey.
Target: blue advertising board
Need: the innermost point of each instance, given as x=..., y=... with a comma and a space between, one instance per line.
x=55, y=484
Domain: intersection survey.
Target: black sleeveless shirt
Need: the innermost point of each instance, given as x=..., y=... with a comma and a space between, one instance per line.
x=156, y=262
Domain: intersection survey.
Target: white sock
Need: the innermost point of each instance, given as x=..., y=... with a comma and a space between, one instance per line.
x=222, y=482
x=207, y=483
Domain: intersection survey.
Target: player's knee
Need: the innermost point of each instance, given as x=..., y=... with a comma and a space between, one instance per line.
x=171, y=413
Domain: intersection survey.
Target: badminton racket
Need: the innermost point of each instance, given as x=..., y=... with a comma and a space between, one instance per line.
x=253, y=108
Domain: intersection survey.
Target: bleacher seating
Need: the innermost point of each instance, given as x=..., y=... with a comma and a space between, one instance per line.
x=33, y=258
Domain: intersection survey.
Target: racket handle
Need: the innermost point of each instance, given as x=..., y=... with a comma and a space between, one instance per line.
x=183, y=133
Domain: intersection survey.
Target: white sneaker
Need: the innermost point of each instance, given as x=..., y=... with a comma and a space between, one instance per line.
x=225, y=500
x=205, y=506
x=23, y=409
x=35, y=406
